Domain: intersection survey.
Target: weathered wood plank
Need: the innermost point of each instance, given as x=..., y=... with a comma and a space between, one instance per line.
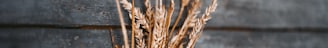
x=265, y=13
x=53, y=38
x=59, y=12
x=271, y=13
x=235, y=39
x=117, y=36
x=250, y=13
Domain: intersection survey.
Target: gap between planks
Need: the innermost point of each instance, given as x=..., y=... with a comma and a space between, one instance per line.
x=226, y=28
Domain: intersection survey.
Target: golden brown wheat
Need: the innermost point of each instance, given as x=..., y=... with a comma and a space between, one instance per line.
x=153, y=26
x=199, y=25
x=177, y=39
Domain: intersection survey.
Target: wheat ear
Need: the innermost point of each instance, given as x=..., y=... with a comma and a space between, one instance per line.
x=158, y=30
x=139, y=32
x=139, y=18
x=200, y=23
x=149, y=14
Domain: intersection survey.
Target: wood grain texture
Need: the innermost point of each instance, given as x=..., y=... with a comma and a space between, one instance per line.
x=265, y=13
x=240, y=13
x=271, y=13
x=240, y=39
x=53, y=38
x=118, y=36
x=59, y=12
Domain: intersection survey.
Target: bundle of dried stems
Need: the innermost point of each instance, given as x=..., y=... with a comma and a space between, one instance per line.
x=151, y=29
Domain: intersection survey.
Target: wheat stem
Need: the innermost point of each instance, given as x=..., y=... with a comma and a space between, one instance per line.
x=184, y=3
x=125, y=36
x=168, y=21
x=133, y=26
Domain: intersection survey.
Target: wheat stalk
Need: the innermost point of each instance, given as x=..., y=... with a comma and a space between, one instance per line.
x=133, y=26
x=125, y=36
x=184, y=3
x=167, y=22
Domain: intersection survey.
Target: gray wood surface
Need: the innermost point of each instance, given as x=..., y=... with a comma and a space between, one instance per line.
x=253, y=39
x=230, y=13
x=240, y=39
x=271, y=13
x=242, y=13
x=53, y=38
x=117, y=36
x=59, y=12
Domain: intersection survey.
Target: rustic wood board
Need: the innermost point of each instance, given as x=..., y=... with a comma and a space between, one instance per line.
x=53, y=38
x=240, y=39
x=241, y=13
x=59, y=12
x=117, y=36
x=271, y=13
x=253, y=39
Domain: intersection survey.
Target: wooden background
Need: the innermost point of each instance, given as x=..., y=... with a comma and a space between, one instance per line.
x=235, y=24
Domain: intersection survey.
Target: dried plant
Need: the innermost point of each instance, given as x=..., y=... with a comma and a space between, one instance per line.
x=125, y=36
x=151, y=29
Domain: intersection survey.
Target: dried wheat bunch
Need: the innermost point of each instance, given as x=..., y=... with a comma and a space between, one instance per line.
x=151, y=29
